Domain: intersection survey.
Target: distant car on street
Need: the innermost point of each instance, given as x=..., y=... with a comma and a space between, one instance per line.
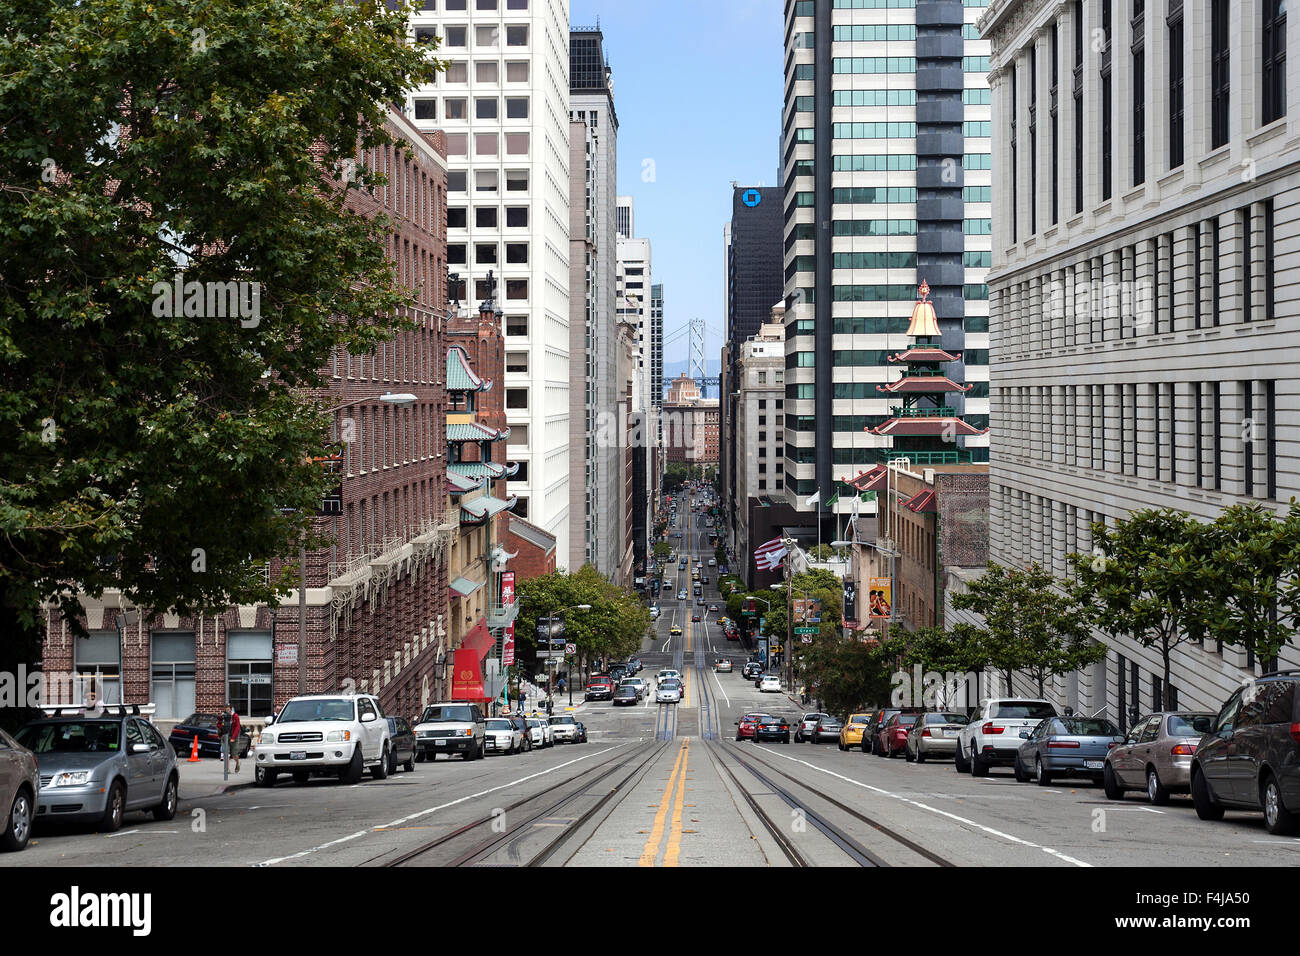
x=669, y=692
x=723, y=666
x=626, y=695
x=20, y=782
x=770, y=683
x=203, y=726
x=772, y=728
x=403, y=747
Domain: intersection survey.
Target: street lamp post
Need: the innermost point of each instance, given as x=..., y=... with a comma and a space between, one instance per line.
x=550, y=690
x=400, y=400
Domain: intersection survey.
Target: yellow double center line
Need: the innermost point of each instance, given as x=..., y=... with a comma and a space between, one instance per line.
x=676, y=781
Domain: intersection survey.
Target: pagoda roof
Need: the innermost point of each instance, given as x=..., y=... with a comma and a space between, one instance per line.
x=923, y=383
x=480, y=509
x=483, y=469
x=917, y=427
x=460, y=376
x=473, y=431
x=873, y=479
x=459, y=484
x=923, y=502
x=924, y=353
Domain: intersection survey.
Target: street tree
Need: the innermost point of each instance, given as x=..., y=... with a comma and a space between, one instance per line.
x=147, y=448
x=1149, y=579
x=1028, y=624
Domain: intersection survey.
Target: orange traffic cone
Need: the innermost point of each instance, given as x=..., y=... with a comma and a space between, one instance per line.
x=194, y=751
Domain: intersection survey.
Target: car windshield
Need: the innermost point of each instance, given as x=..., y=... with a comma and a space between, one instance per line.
x=322, y=708
x=533, y=722
x=1089, y=727
x=200, y=720
x=947, y=719
x=72, y=737
x=451, y=713
x=907, y=720
x=769, y=720
x=1190, y=725
x=562, y=720
x=859, y=719
x=1023, y=710
x=498, y=724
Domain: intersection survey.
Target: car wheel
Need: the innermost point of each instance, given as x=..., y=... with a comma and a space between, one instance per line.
x=959, y=760
x=409, y=766
x=18, y=828
x=842, y=747
x=114, y=808
x=264, y=778
x=419, y=756
x=1041, y=775
x=392, y=764
x=1022, y=775
x=380, y=770
x=920, y=755
x=907, y=754
x=1110, y=783
x=1156, y=791
x=978, y=768
x=167, y=809
x=1277, y=818
x=352, y=772
x=1207, y=808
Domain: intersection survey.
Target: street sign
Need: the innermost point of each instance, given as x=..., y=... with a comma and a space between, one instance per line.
x=570, y=649
x=287, y=654
x=806, y=630
x=806, y=640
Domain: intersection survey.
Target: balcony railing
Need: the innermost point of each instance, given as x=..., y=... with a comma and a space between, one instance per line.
x=934, y=457
x=502, y=615
x=944, y=411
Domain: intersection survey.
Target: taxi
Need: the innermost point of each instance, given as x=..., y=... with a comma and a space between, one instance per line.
x=675, y=630
x=853, y=729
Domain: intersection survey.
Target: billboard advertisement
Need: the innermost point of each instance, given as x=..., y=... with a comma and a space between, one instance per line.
x=880, y=600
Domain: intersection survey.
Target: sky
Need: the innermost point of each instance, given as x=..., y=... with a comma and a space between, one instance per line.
x=698, y=92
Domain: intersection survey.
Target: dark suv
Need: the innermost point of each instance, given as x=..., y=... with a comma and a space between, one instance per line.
x=1250, y=759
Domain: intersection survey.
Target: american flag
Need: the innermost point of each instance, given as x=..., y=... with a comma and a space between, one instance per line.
x=769, y=554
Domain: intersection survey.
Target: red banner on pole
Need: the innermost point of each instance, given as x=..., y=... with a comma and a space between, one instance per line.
x=508, y=648
x=507, y=588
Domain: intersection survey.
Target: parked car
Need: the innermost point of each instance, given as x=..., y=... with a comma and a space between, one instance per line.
x=635, y=666
x=402, y=748
x=1066, y=747
x=654, y=612
x=639, y=683
x=667, y=674
x=539, y=732
x=772, y=728
x=451, y=727
x=1250, y=759
x=599, y=689
x=203, y=726
x=681, y=595
x=827, y=728
x=626, y=694
x=807, y=724
x=893, y=736
x=20, y=785
x=852, y=731
x=521, y=725
x=668, y=692
x=871, y=736
x=934, y=734
x=723, y=665
x=502, y=736
x=770, y=684
x=564, y=728
x=751, y=670
x=98, y=769
x=1156, y=756
x=992, y=738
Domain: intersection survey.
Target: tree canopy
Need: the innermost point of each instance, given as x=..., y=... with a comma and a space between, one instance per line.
x=613, y=627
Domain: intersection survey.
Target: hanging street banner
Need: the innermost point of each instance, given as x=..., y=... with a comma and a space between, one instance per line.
x=508, y=647
x=880, y=600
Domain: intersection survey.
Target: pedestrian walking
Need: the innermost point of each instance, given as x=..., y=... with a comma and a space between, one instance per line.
x=229, y=728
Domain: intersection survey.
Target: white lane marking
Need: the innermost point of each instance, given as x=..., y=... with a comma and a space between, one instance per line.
x=720, y=690
x=422, y=813
x=943, y=813
x=122, y=833
x=1135, y=810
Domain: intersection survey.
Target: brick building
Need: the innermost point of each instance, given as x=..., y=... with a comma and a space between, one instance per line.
x=376, y=599
x=690, y=424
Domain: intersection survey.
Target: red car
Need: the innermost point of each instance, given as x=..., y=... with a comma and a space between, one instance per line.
x=893, y=736
x=747, y=725
x=599, y=688
x=695, y=619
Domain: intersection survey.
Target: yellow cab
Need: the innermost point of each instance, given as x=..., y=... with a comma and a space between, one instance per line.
x=675, y=630
x=851, y=732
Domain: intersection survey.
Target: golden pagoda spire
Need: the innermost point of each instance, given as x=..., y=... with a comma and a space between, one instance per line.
x=924, y=323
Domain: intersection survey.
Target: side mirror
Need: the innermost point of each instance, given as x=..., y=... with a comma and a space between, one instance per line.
x=368, y=718
x=1024, y=735
x=139, y=748
x=1130, y=741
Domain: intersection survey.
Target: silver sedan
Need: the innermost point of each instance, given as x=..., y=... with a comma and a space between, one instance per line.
x=20, y=784
x=934, y=734
x=1156, y=756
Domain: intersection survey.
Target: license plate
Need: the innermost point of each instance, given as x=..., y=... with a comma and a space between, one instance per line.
x=440, y=743
x=298, y=755
x=938, y=732
x=1093, y=764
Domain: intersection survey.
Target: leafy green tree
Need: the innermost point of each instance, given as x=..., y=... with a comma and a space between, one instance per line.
x=1148, y=578
x=1252, y=582
x=661, y=550
x=849, y=675
x=613, y=627
x=1029, y=625
x=154, y=453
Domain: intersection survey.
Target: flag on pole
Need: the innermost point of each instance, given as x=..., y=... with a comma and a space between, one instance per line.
x=816, y=497
x=834, y=499
x=769, y=554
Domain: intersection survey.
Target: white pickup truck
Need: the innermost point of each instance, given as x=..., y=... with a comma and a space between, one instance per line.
x=992, y=738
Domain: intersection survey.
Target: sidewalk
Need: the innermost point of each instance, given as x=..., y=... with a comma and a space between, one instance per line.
x=204, y=779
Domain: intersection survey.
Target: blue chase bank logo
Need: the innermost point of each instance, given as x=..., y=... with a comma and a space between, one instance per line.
x=751, y=197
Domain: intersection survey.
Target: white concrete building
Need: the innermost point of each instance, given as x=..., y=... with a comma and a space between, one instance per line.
x=760, y=432
x=1146, y=208
x=504, y=104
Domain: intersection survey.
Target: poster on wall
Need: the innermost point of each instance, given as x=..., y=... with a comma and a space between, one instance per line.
x=880, y=599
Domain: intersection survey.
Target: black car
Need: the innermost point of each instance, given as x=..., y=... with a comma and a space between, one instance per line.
x=1250, y=759
x=203, y=726
x=618, y=672
x=751, y=670
x=402, y=748
x=626, y=694
x=772, y=728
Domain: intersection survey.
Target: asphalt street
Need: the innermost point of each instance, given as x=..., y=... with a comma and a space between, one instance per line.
x=669, y=785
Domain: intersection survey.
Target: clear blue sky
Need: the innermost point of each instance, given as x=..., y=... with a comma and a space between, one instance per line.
x=698, y=88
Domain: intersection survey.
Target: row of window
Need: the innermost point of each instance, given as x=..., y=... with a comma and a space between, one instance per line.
x=485, y=71
x=487, y=217
x=454, y=108
x=486, y=36
x=488, y=144
x=873, y=131
x=487, y=254
x=872, y=98
x=841, y=455
x=1178, y=433
x=871, y=32
x=886, y=325
x=458, y=6
x=877, y=162
x=874, y=194
x=857, y=390
x=487, y=180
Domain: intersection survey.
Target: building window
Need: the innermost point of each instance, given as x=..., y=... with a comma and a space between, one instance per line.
x=1176, y=55
x=1216, y=441
x=1078, y=106
x=1248, y=438
x=1107, y=166
x=516, y=36
x=516, y=398
x=171, y=674
x=1215, y=285
x=426, y=109
x=456, y=217
x=457, y=37
x=516, y=325
x=487, y=71
x=517, y=144
x=1220, y=81
x=97, y=660
x=454, y=109
x=517, y=72
x=1015, y=155
x=249, y=669
x=1139, y=80
x=1033, y=140
x=1053, y=109
x=1273, y=55
x=517, y=253
x=1270, y=288
x=485, y=108
x=1247, y=279
x=517, y=107
x=516, y=288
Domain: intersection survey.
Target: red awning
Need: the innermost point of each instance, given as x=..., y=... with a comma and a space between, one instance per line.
x=924, y=502
x=467, y=668
x=873, y=479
